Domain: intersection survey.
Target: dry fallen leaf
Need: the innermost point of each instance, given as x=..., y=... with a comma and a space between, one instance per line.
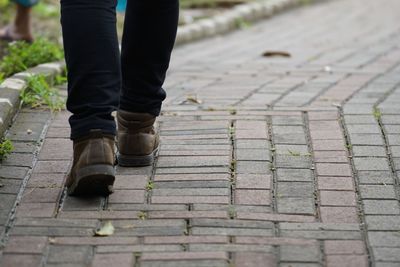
x=106, y=230
x=193, y=99
x=276, y=54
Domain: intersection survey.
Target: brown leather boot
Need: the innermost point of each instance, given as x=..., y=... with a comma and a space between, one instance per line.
x=92, y=171
x=137, y=139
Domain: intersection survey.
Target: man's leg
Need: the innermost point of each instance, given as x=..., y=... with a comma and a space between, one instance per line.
x=149, y=35
x=92, y=57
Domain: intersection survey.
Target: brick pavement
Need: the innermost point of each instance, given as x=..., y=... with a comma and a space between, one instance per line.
x=263, y=161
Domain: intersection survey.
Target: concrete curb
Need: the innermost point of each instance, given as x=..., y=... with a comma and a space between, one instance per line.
x=231, y=20
x=11, y=88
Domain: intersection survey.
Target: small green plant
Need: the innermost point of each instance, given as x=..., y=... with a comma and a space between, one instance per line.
x=21, y=55
x=6, y=147
x=242, y=23
x=294, y=153
x=150, y=186
x=60, y=79
x=377, y=113
x=45, y=10
x=142, y=215
x=39, y=93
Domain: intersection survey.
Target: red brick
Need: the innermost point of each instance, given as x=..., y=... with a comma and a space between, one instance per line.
x=252, y=197
x=274, y=217
x=41, y=195
x=26, y=244
x=322, y=116
x=186, y=239
x=326, y=134
x=190, y=199
x=191, y=177
x=130, y=181
x=339, y=215
x=114, y=259
x=187, y=214
x=335, y=183
x=328, y=145
x=331, y=156
x=56, y=149
x=328, y=169
x=46, y=180
x=344, y=247
x=253, y=181
x=107, y=240
x=50, y=166
x=36, y=210
x=274, y=241
x=20, y=260
x=338, y=198
x=219, y=255
x=346, y=261
x=250, y=259
x=127, y=196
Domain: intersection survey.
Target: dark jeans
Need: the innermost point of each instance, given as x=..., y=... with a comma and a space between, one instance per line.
x=100, y=79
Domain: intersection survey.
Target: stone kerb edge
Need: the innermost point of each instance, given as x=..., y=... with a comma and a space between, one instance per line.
x=230, y=20
x=11, y=88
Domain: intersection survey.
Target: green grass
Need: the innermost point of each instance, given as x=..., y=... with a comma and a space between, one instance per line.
x=40, y=94
x=20, y=56
x=6, y=147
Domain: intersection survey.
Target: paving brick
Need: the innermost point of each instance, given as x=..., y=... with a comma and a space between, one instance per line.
x=185, y=239
x=295, y=175
x=346, y=260
x=381, y=207
x=253, y=167
x=190, y=191
x=184, y=256
x=117, y=259
x=377, y=192
x=327, y=169
x=41, y=195
x=20, y=260
x=295, y=162
x=383, y=222
x=375, y=177
x=331, y=156
x=69, y=254
x=371, y=164
x=329, y=145
x=36, y=210
x=51, y=166
x=335, y=183
x=338, y=198
x=294, y=189
x=249, y=259
x=384, y=239
x=339, y=214
x=343, y=247
x=252, y=197
x=386, y=254
x=26, y=245
x=299, y=253
x=253, y=181
x=369, y=151
x=253, y=154
x=296, y=205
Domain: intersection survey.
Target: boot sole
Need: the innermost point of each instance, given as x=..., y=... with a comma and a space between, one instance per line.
x=136, y=161
x=93, y=180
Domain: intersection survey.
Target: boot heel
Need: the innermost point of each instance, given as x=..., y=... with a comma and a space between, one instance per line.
x=93, y=180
